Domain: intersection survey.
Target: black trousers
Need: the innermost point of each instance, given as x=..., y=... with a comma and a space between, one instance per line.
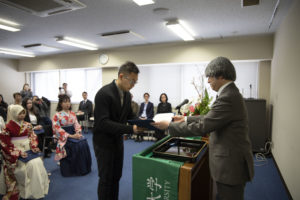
x=230, y=192
x=110, y=165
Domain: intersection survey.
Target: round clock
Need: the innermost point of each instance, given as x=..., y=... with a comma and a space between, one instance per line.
x=103, y=59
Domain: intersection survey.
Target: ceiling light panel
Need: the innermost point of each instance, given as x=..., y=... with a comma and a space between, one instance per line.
x=9, y=25
x=143, y=2
x=180, y=30
x=16, y=53
x=77, y=43
x=41, y=48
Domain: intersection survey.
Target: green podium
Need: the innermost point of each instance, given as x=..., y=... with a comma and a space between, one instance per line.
x=157, y=178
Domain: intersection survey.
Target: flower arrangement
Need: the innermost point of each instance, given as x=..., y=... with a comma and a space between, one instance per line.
x=200, y=105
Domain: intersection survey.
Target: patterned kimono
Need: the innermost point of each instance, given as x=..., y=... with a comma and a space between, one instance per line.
x=61, y=119
x=17, y=178
x=74, y=154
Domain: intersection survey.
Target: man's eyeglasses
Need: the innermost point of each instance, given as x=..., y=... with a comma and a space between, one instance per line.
x=132, y=82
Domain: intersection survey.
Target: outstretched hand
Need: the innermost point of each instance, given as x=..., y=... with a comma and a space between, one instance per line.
x=178, y=118
x=162, y=125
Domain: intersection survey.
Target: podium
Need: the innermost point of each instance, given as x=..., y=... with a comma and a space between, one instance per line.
x=195, y=181
x=159, y=178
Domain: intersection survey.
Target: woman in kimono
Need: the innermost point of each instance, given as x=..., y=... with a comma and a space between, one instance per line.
x=72, y=149
x=27, y=179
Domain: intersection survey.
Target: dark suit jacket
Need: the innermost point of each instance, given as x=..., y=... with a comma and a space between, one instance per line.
x=230, y=153
x=87, y=107
x=110, y=117
x=149, y=110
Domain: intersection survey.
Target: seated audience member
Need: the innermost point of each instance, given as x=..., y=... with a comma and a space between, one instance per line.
x=26, y=92
x=86, y=107
x=64, y=90
x=2, y=126
x=72, y=150
x=3, y=108
x=33, y=117
x=27, y=178
x=18, y=101
x=146, y=109
x=146, y=112
x=43, y=105
x=134, y=106
x=164, y=106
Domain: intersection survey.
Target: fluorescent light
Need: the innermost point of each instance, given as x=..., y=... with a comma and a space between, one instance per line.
x=143, y=2
x=16, y=53
x=77, y=43
x=9, y=25
x=180, y=30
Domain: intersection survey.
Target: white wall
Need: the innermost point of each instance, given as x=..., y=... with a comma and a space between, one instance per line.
x=10, y=79
x=239, y=48
x=285, y=97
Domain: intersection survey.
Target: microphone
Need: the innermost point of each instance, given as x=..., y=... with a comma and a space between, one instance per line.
x=184, y=102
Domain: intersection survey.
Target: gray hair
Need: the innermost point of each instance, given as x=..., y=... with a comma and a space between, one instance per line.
x=221, y=66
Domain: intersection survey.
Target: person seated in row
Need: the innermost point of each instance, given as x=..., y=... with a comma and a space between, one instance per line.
x=146, y=112
x=33, y=117
x=85, y=109
x=43, y=106
x=72, y=149
x=18, y=101
x=163, y=107
x=27, y=179
x=26, y=92
x=3, y=108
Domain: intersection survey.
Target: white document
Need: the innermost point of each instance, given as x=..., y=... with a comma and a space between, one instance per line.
x=163, y=117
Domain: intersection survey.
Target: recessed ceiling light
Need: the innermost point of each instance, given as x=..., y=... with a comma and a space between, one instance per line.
x=15, y=52
x=76, y=43
x=180, y=30
x=9, y=25
x=143, y=2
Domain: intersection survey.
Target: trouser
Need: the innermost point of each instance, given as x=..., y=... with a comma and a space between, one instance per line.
x=110, y=165
x=230, y=192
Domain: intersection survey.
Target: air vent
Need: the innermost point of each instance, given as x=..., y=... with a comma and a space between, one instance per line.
x=123, y=36
x=249, y=3
x=44, y=8
x=41, y=48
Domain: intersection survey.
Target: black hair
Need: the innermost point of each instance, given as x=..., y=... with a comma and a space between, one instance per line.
x=146, y=94
x=16, y=93
x=128, y=67
x=25, y=85
x=165, y=95
x=61, y=99
x=33, y=109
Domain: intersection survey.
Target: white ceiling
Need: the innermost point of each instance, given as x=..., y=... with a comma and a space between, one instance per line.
x=208, y=19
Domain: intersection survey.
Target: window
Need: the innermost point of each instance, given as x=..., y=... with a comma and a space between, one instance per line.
x=47, y=83
x=176, y=81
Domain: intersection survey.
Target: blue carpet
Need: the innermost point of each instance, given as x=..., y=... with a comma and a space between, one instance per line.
x=266, y=184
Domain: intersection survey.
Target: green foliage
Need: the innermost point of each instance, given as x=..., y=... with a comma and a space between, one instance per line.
x=202, y=107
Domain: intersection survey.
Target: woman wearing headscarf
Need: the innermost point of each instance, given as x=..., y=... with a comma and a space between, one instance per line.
x=72, y=149
x=23, y=174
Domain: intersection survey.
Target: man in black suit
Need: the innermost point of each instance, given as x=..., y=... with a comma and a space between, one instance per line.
x=85, y=106
x=112, y=110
